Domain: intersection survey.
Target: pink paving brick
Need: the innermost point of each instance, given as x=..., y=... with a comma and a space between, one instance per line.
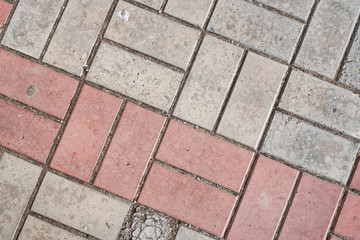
x=35, y=85
x=26, y=132
x=4, y=11
x=204, y=155
x=311, y=210
x=129, y=151
x=187, y=199
x=355, y=181
x=348, y=223
x=264, y=201
x=86, y=133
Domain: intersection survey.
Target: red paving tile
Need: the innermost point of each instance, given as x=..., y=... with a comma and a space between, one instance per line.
x=204, y=155
x=26, y=132
x=35, y=85
x=129, y=151
x=348, y=223
x=86, y=133
x=4, y=11
x=264, y=200
x=311, y=210
x=355, y=181
x=187, y=199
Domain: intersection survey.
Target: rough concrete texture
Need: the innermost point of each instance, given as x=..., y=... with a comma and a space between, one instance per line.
x=208, y=82
x=192, y=11
x=328, y=33
x=350, y=73
x=310, y=147
x=143, y=223
x=31, y=25
x=297, y=8
x=17, y=182
x=76, y=33
x=152, y=34
x=82, y=208
x=36, y=229
x=151, y=3
x=256, y=27
x=134, y=76
x=187, y=234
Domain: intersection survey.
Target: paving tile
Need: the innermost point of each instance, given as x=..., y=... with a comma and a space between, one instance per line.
x=36, y=229
x=187, y=199
x=264, y=200
x=350, y=73
x=129, y=151
x=251, y=100
x=348, y=223
x=311, y=210
x=256, y=27
x=76, y=34
x=194, y=12
x=355, y=181
x=26, y=132
x=134, y=76
x=322, y=102
x=152, y=34
x=30, y=26
x=327, y=36
x=204, y=155
x=208, y=82
x=186, y=234
x=79, y=207
x=5, y=8
x=297, y=8
x=310, y=147
x=85, y=133
x=17, y=182
x=151, y=3
x=35, y=85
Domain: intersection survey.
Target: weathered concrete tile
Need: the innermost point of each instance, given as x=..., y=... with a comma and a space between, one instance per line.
x=17, y=181
x=79, y=207
x=36, y=229
x=256, y=27
x=251, y=100
x=208, y=82
x=152, y=34
x=350, y=73
x=186, y=234
x=192, y=11
x=151, y=3
x=76, y=34
x=297, y=8
x=310, y=147
x=30, y=26
x=144, y=223
x=322, y=102
x=327, y=36
x=134, y=76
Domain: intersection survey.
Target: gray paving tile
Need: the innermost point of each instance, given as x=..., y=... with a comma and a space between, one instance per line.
x=151, y=3
x=152, y=34
x=310, y=147
x=208, y=82
x=192, y=11
x=79, y=207
x=186, y=234
x=297, y=8
x=327, y=36
x=134, y=76
x=17, y=182
x=76, y=34
x=36, y=229
x=30, y=26
x=252, y=99
x=350, y=73
x=256, y=27
x=322, y=102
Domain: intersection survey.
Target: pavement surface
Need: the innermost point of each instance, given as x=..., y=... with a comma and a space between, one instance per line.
x=179, y=119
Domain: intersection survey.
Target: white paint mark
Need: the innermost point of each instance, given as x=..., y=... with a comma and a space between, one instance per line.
x=124, y=15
